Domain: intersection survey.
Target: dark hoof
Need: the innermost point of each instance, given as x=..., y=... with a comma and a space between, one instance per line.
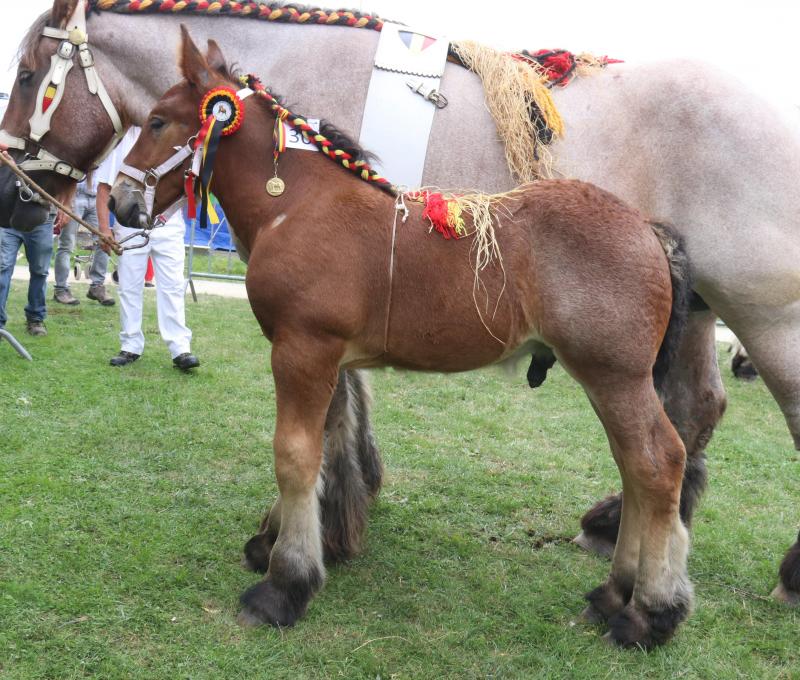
x=788, y=590
x=256, y=553
x=743, y=368
x=600, y=526
x=781, y=594
x=605, y=601
x=646, y=629
x=266, y=602
x=594, y=544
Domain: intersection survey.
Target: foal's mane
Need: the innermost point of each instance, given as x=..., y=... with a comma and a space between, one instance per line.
x=339, y=139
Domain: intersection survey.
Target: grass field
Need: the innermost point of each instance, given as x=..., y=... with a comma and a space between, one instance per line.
x=127, y=494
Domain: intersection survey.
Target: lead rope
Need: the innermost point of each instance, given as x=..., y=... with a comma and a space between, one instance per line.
x=110, y=241
x=399, y=206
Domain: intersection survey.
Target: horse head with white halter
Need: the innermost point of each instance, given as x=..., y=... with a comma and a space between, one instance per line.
x=47, y=72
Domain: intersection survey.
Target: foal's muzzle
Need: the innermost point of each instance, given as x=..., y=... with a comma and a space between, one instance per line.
x=128, y=205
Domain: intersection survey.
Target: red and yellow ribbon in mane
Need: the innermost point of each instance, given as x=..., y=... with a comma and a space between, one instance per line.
x=265, y=11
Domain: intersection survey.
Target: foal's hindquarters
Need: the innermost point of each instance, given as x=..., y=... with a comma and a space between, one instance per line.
x=581, y=274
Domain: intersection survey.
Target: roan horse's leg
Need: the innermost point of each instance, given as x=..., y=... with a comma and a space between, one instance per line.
x=774, y=354
x=648, y=592
x=303, y=391
x=694, y=399
x=351, y=471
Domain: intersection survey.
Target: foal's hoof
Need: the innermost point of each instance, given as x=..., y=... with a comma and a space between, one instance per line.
x=256, y=553
x=266, y=602
x=646, y=628
x=594, y=544
x=786, y=596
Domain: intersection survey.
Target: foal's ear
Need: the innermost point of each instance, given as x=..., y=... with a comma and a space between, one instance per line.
x=62, y=11
x=193, y=64
x=215, y=58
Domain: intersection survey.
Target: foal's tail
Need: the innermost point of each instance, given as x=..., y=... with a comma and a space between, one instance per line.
x=674, y=248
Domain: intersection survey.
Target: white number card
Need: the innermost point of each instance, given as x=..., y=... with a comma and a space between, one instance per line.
x=295, y=139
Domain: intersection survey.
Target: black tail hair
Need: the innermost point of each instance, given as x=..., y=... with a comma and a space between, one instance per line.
x=675, y=250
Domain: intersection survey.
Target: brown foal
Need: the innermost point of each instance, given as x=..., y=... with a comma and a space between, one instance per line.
x=337, y=279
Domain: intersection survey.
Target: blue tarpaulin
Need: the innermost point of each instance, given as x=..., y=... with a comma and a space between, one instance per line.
x=216, y=236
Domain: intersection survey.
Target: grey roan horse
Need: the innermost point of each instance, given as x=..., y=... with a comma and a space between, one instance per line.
x=682, y=142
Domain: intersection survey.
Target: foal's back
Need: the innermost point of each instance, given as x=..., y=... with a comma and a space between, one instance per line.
x=578, y=265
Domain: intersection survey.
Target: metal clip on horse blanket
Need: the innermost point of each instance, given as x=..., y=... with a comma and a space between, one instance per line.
x=430, y=94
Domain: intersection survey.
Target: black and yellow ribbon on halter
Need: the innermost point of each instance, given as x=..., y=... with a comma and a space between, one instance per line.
x=221, y=114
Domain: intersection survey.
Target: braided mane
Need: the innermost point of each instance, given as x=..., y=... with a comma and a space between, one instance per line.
x=251, y=9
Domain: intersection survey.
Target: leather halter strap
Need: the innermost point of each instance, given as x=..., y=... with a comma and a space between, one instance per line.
x=149, y=179
x=73, y=40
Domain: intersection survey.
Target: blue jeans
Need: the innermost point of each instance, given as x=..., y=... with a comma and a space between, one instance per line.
x=38, y=249
x=86, y=207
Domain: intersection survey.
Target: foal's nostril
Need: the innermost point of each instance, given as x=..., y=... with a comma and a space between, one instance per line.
x=112, y=204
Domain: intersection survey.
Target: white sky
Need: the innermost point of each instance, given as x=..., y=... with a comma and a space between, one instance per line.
x=757, y=40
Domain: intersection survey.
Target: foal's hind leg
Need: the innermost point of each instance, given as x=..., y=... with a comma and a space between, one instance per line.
x=648, y=592
x=305, y=373
x=352, y=474
x=694, y=399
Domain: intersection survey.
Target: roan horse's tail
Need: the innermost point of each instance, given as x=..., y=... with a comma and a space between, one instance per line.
x=674, y=248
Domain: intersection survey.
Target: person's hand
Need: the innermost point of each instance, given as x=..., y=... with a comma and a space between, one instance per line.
x=60, y=222
x=104, y=245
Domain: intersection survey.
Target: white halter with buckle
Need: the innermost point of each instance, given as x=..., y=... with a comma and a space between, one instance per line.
x=149, y=179
x=73, y=38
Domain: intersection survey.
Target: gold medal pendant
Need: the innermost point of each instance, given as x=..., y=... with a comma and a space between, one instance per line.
x=276, y=186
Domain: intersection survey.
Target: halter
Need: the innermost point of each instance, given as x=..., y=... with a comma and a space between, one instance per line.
x=73, y=39
x=221, y=114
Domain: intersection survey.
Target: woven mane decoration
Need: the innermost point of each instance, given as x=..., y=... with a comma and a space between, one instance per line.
x=265, y=11
x=515, y=84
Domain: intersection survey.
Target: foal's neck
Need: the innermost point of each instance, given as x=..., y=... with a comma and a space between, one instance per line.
x=245, y=164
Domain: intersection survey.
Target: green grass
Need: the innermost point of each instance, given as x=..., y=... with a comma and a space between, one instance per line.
x=127, y=494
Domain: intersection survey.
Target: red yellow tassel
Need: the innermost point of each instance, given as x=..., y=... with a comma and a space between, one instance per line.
x=444, y=214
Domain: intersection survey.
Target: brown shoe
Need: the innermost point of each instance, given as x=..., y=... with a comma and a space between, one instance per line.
x=65, y=297
x=98, y=292
x=36, y=328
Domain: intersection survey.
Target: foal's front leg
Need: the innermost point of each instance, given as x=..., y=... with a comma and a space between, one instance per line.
x=305, y=373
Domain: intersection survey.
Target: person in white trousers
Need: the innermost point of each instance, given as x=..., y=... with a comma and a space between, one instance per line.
x=167, y=252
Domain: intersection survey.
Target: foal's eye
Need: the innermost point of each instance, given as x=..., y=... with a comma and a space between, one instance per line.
x=156, y=124
x=25, y=77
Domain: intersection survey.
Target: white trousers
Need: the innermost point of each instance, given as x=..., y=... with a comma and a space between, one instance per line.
x=167, y=250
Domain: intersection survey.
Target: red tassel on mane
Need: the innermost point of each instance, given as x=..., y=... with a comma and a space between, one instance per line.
x=437, y=211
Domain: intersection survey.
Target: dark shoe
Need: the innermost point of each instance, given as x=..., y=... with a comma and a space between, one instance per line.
x=186, y=361
x=124, y=358
x=36, y=328
x=65, y=297
x=98, y=292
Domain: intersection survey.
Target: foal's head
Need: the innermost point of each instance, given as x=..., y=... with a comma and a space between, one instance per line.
x=172, y=123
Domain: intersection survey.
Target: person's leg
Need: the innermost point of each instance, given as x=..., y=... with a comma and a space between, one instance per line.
x=99, y=264
x=10, y=241
x=131, y=267
x=62, y=264
x=38, y=249
x=168, y=258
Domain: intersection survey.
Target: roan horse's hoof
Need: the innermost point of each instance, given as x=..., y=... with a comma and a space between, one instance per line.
x=786, y=596
x=594, y=544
